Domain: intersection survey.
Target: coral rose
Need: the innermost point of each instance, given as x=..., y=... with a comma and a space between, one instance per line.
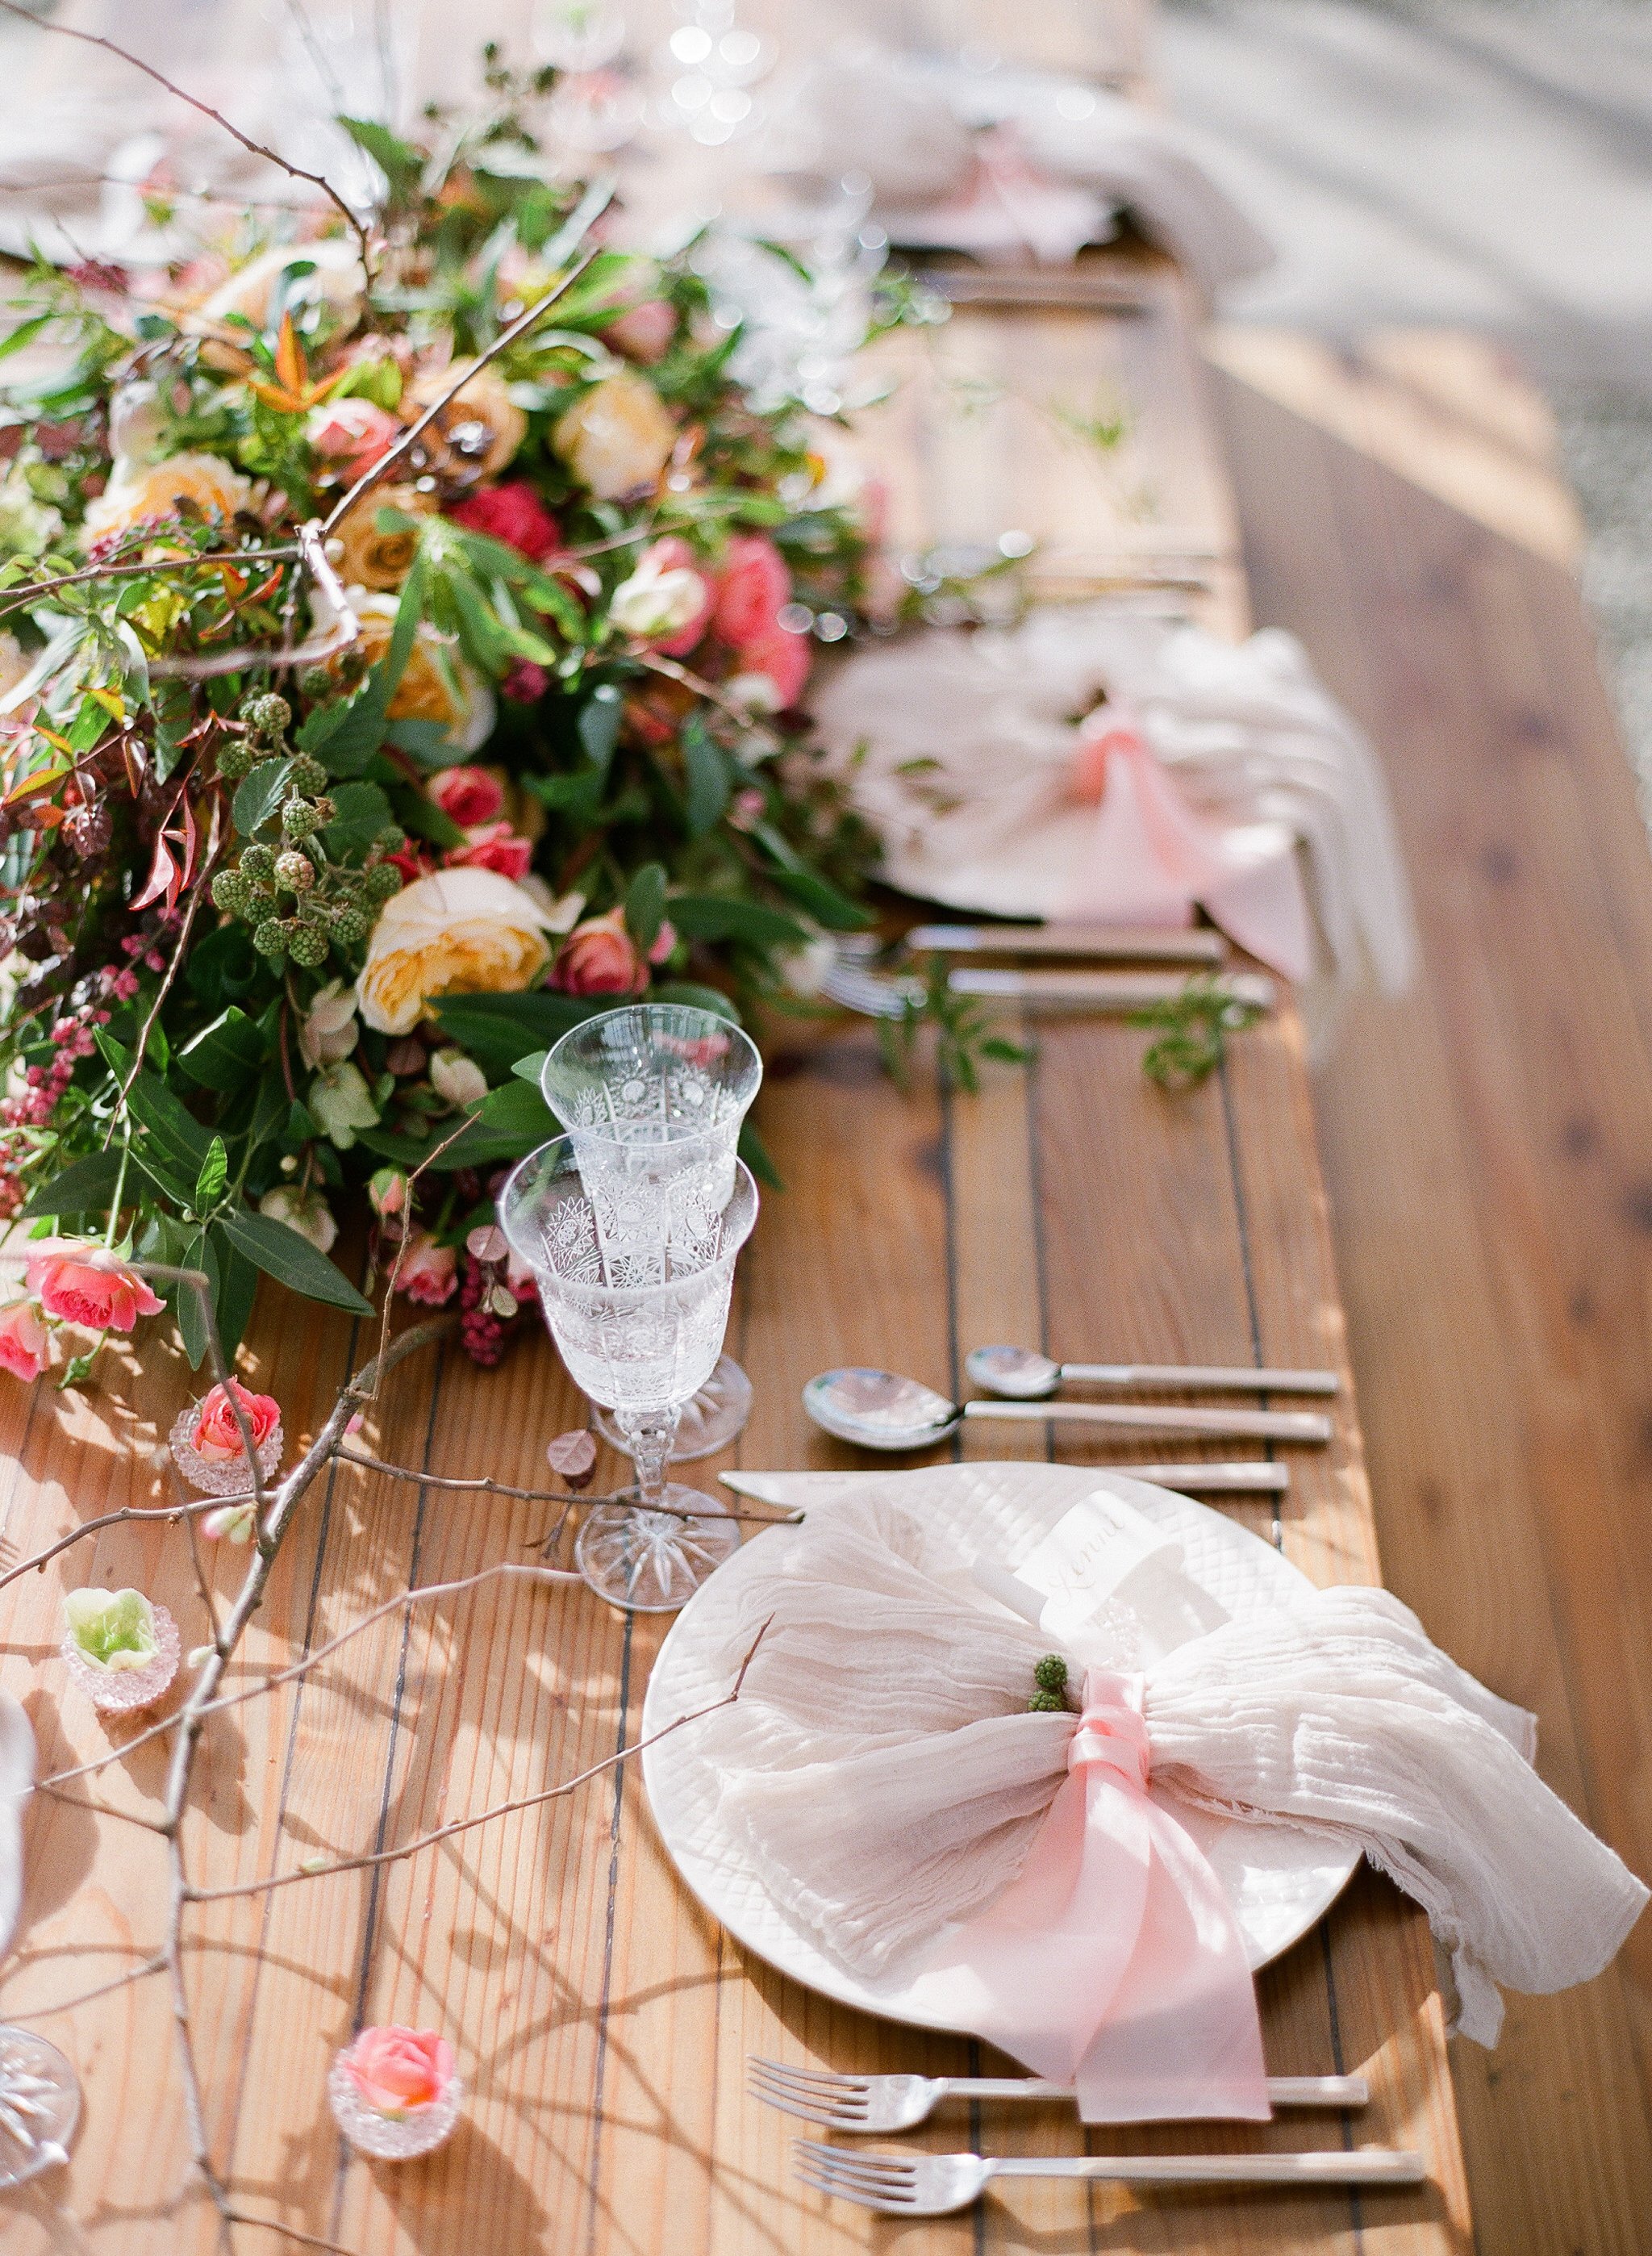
x=427, y=1273
x=666, y=601
x=466, y=932
x=426, y=690
x=467, y=795
x=217, y=1435
x=493, y=846
x=600, y=957
x=618, y=438
x=751, y=588
x=482, y=423
x=778, y=658
x=89, y=1285
x=370, y=556
x=354, y=434
x=150, y=493
x=26, y=1344
x=395, y=2069
x=512, y=513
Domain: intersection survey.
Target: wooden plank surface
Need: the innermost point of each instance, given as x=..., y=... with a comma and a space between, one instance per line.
x=1486, y=1140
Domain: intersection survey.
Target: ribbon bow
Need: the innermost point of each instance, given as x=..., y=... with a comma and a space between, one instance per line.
x=1113, y=1961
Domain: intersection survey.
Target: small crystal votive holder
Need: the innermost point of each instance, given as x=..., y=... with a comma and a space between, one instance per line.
x=391, y=2138
x=121, y=1691
x=214, y=1478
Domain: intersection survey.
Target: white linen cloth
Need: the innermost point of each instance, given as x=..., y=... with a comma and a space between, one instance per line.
x=887, y=1778
x=1007, y=163
x=963, y=750
x=16, y=1784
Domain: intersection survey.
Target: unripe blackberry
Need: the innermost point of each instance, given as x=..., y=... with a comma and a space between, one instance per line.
x=392, y=839
x=308, y=947
x=315, y=681
x=267, y=713
x=269, y=940
x=379, y=881
x=301, y=818
x=258, y=863
x=308, y=776
x=351, y=926
x=296, y=872
x=232, y=892
x=236, y=755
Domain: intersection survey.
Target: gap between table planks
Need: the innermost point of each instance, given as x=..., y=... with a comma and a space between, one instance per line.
x=1486, y=1140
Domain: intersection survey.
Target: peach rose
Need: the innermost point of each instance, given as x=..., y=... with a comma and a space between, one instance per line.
x=482, y=423
x=465, y=931
x=428, y=1272
x=368, y=557
x=600, y=957
x=618, y=437
x=26, y=1344
x=150, y=493
x=395, y=2069
x=467, y=796
x=425, y=692
x=89, y=1285
x=217, y=1435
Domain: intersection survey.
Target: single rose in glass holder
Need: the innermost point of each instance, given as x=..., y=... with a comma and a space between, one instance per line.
x=393, y=2092
x=653, y=1097
x=639, y=1318
x=120, y=1649
x=206, y=1444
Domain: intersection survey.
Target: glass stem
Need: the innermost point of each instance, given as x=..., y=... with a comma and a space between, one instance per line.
x=649, y=1436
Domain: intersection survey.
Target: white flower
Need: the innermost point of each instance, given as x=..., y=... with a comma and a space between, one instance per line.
x=305, y=1211
x=341, y=1101
x=465, y=931
x=328, y=1032
x=135, y=421
x=27, y=527
x=560, y=915
x=658, y=602
x=458, y=1078
x=804, y=967
x=337, y=281
x=757, y=692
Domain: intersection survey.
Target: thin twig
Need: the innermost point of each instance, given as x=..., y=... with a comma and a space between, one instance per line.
x=484, y=1484
x=483, y=1816
x=19, y=596
x=654, y=663
x=39, y=1560
x=358, y=227
x=100, y=1809
x=156, y=1965
x=292, y=2231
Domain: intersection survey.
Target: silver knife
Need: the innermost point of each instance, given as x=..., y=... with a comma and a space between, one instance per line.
x=1098, y=943
x=1248, y=1476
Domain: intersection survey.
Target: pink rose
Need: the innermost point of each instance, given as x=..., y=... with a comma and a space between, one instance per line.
x=467, y=795
x=217, y=1435
x=493, y=846
x=89, y=1285
x=600, y=957
x=525, y=684
x=387, y=1189
x=396, y=2069
x=643, y=332
x=664, y=941
x=782, y=658
x=513, y=513
x=429, y=1272
x=356, y=434
x=751, y=588
x=25, y=1345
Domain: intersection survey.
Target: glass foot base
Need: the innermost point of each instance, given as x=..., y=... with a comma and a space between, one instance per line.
x=709, y=1419
x=652, y=1562
x=39, y=2105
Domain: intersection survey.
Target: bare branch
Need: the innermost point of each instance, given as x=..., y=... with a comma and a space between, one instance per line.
x=289, y=2232
x=344, y=630
x=40, y=1559
x=21, y=596
x=156, y=1965
x=102, y=1808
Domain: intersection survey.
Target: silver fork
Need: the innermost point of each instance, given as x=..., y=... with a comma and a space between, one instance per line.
x=896, y=2103
x=931, y=2185
x=873, y=994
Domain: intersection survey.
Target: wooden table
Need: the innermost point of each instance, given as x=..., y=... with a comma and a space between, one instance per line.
x=601, y=2020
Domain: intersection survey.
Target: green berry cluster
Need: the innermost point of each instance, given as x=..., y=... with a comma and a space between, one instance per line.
x=1050, y=1677
x=266, y=719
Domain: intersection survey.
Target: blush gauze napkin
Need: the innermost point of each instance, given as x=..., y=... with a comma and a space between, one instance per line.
x=887, y=1780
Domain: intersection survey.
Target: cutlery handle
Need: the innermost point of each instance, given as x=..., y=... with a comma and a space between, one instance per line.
x=1371, y=2166
x=1283, y=2091
x=1101, y=990
x=1235, y=1378
x=1093, y=942
x=1265, y=1425
x=1250, y=1476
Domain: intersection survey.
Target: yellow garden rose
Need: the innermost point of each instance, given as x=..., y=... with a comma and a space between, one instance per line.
x=618, y=437
x=483, y=423
x=151, y=492
x=462, y=932
x=425, y=691
x=367, y=558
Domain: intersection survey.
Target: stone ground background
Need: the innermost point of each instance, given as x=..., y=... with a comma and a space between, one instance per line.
x=1483, y=167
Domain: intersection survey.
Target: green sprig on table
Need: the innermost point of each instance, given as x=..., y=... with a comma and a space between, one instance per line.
x=1196, y=1024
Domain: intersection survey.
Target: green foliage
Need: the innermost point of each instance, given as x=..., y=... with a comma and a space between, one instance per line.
x=1196, y=1025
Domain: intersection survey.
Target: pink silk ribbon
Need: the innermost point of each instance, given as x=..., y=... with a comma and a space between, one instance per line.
x=1151, y=856
x=1114, y=1961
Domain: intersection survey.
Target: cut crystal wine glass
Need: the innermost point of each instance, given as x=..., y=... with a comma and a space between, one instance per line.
x=39, y=2105
x=653, y=1096
x=639, y=1313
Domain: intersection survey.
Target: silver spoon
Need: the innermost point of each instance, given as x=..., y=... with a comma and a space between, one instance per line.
x=1026, y=1375
x=880, y=1410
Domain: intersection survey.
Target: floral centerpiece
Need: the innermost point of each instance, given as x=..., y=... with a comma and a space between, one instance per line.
x=407, y=628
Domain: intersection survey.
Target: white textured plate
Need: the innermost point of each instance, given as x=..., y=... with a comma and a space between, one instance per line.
x=1279, y=1880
